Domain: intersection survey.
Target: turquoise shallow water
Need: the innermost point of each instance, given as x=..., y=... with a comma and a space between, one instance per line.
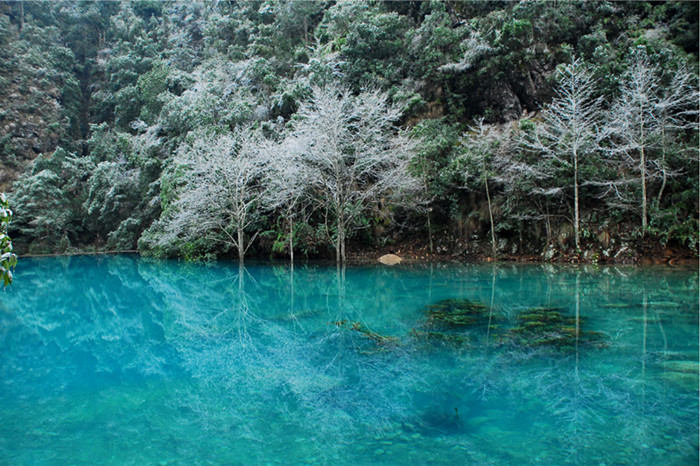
x=122, y=360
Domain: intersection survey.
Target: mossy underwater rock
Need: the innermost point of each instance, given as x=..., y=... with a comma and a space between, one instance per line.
x=455, y=322
x=549, y=327
x=457, y=313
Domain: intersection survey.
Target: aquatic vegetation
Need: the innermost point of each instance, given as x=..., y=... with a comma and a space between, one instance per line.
x=458, y=323
x=367, y=333
x=549, y=327
x=457, y=313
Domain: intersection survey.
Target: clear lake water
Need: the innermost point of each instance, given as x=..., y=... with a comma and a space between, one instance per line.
x=128, y=360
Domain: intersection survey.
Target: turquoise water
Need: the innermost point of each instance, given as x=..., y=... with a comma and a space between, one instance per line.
x=122, y=360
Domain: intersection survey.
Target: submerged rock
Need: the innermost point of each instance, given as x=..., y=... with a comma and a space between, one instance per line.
x=457, y=313
x=549, y=327
x=458, y=323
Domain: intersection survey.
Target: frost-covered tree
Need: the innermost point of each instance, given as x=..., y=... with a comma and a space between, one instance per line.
x=221, y=191
x=568, y=133
x=676, y=111
x=8, y=259
x=354, y=156
x=216, y=96
x=529, y=191
x=633, y=120
x=644, y=121
x=481, y=144
x=288, y=184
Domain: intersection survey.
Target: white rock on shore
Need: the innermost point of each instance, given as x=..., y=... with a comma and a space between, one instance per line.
x=390, y=259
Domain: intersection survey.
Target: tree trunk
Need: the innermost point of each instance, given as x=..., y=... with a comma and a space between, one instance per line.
x=291, y=241
x=337, y=245
x=342, y=246
x=493, y=300
x=663, y=165
x=430, y=209
x=291, y=283
x=340, y=239
x=642, y=166
x=576, y=205
x=241, y=246
x=493, y=230
x=578, y=319
x=241, y=284
x=430, y=231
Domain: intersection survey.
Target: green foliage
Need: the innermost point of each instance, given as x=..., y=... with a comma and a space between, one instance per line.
x=436, y=153
x=147, y=8
x=151, y=86
x=111, y=195
x=434, y=43
x=49, y=201
x=72, y=99
x=127, y=106
x=370, y=42
x=675, y=224
x=8, y=259
x=125, y=237
x=122, y=192
x=308, y=238
x=194, y=249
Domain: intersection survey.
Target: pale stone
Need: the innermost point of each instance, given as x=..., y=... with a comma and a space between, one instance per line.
x=390, y=259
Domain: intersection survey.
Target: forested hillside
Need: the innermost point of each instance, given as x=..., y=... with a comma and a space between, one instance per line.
x=560, y=129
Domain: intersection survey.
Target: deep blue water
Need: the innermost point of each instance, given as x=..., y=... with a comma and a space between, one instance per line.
x=122, y=360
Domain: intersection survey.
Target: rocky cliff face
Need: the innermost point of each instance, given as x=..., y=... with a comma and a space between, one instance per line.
x=517, y=92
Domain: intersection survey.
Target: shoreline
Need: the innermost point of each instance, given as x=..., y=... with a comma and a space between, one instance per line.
x=371, y=256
